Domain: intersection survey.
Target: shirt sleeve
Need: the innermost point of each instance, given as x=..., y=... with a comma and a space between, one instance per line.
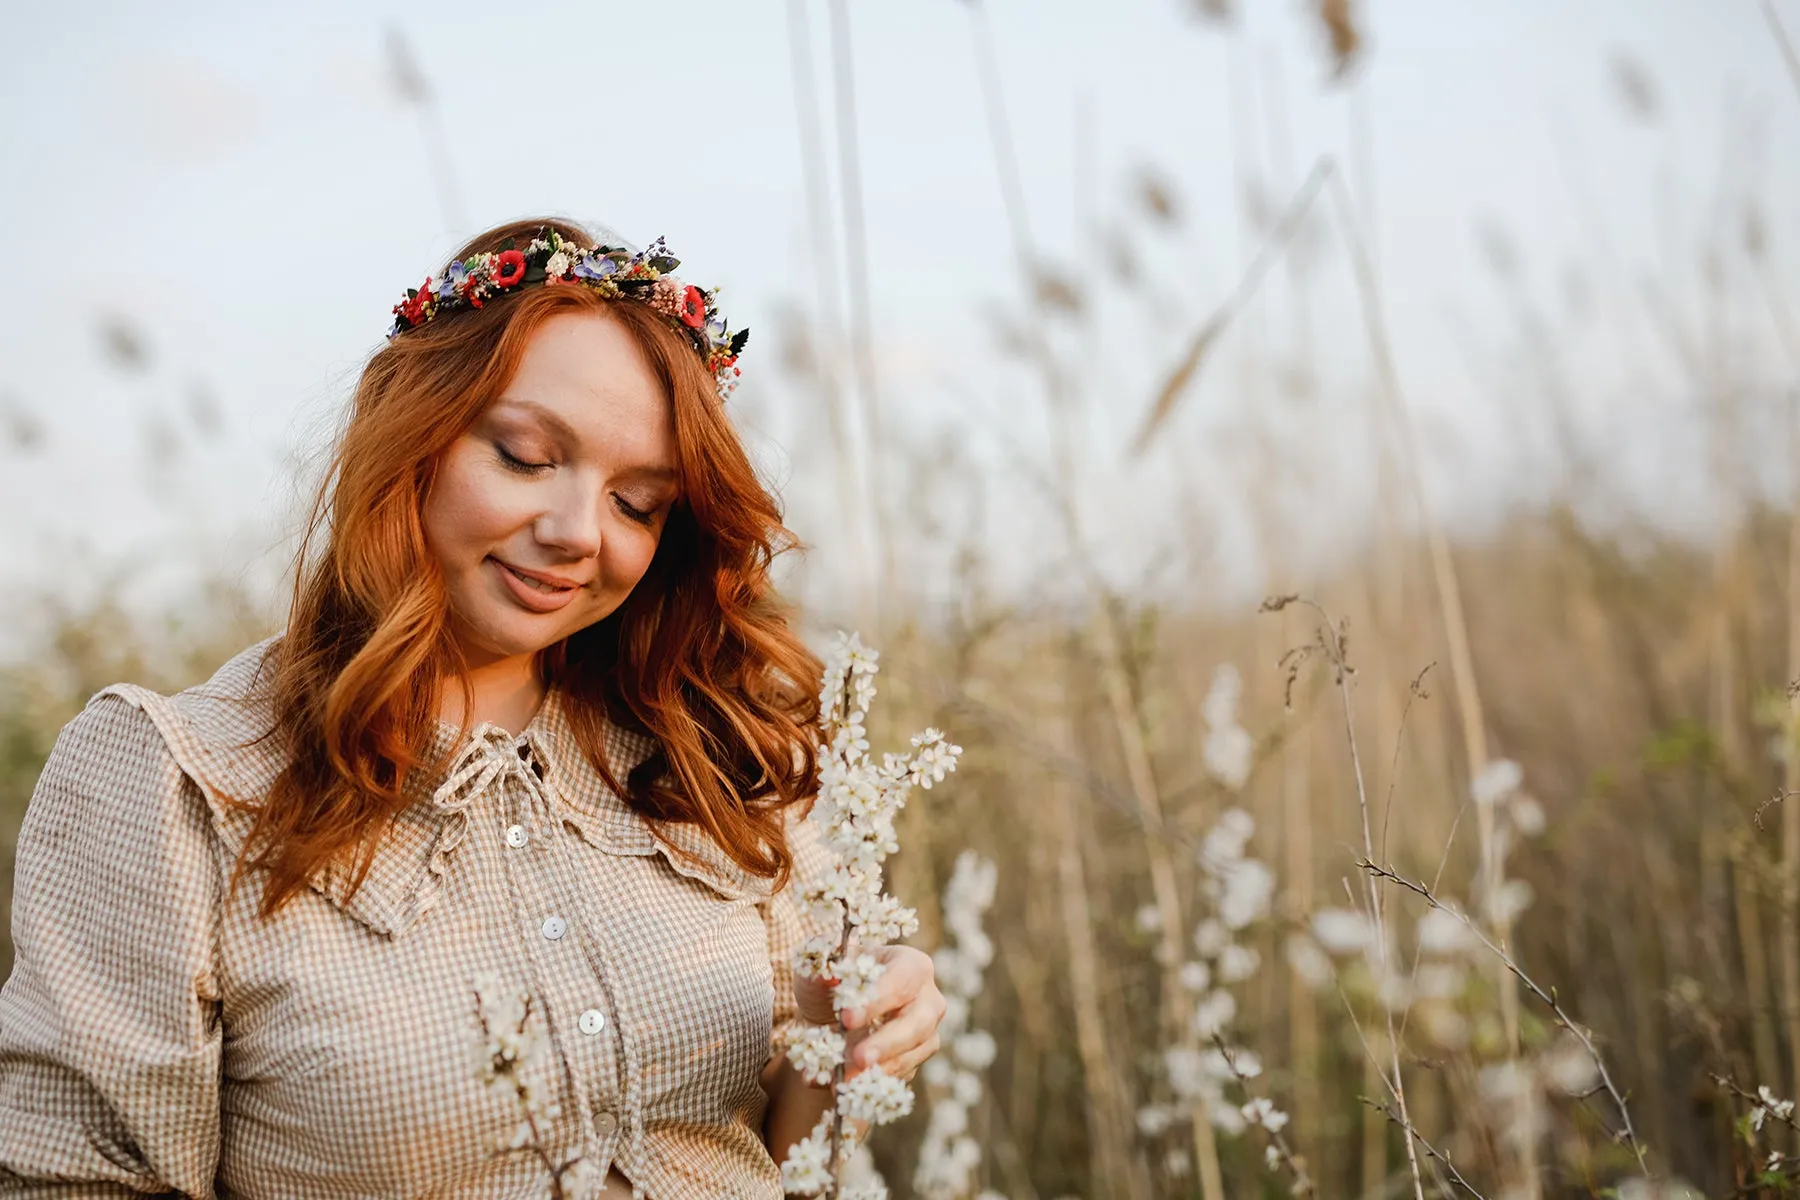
x=789, y=923
x=109, y=1024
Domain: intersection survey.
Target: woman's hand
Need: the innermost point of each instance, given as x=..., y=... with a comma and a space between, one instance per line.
x=899, y=1029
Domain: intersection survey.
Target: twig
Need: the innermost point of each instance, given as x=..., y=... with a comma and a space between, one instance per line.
x=1628, y=1134
x=1783, y=1113
x=1777, y=798
x=1415, y=691
x=1331, y=640
x=1413, y=1135
x=1303, y=1184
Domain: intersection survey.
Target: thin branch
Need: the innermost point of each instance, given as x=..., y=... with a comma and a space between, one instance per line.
x=1777, y=798
x=1414, y=1135
x=1303, y=1184
x=1415, y=691
x=1331, y=640
x=1628, y=1134
x=1781, y=1110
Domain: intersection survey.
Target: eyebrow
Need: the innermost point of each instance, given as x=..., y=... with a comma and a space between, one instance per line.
x=566, y=432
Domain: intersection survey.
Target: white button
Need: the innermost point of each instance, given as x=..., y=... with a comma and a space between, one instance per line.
x=592, y=1021
x=605, y=1124
x=553, y=928
x=516, y=836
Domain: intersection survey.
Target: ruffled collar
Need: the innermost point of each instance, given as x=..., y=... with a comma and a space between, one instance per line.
x=214, y=731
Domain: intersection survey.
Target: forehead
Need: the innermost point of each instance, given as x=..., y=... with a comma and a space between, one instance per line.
x=585, y=375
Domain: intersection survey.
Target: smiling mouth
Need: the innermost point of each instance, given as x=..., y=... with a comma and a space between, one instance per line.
x=535, y=585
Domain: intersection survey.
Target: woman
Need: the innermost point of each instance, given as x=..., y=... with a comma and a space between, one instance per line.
x=536, y=718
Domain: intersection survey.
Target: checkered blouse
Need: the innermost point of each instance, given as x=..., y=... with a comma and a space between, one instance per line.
x=157, y=1036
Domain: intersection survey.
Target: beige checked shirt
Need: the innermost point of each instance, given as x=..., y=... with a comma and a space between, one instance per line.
x=157, y=1036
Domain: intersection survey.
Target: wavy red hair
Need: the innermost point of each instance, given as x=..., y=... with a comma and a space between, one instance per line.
x=700, y=656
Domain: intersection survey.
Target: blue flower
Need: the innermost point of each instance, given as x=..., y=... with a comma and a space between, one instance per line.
x=595, y=267
x=450, y=286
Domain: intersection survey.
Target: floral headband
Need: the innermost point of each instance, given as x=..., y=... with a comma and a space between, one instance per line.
x=610, y=270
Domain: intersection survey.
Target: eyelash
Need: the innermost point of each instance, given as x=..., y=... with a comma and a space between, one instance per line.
x=633, y=514
x=513, y=462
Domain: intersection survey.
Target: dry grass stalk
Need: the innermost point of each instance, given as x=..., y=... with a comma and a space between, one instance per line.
x=1110, y=1108
x=822, y=361
x=1330, y=643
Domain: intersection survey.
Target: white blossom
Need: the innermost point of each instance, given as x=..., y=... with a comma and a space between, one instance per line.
x=874, y=1096
x=1438, y=981
x=1210, y=938
x=948, y=1158
x=1248, y=888
x=814, y=1050
x=1308, y=961
x=1228, y=751
x=1261, y=1111
x=1238, y=963
x=1214, y=1013
x=974, y=1049
x=1444, y=932
x=1230, y=754
x=806, y=1171
x=1506, y=903
x=1153, y=1120
x=1567, y=1066
x=1496, y=782
x=1527, y=816
x=1342, y=931
x=1189, y=1075
x=857, y=976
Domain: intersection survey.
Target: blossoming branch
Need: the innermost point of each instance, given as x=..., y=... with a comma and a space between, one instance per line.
x=857, y=803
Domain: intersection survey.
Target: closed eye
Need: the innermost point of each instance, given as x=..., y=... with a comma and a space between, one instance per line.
x=513, y=462
x=633, y=513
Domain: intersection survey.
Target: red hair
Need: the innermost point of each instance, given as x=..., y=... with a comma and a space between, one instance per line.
x=700, y=656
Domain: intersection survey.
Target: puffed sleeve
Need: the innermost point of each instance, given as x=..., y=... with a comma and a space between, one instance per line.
x=788, y=921
x=109, y=1025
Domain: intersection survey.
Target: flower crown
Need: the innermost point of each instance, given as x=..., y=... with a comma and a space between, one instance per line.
x=612, y=271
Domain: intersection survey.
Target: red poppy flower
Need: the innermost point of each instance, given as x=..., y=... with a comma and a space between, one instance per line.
x=693, y=308
x=413, y=307
x=512, y=268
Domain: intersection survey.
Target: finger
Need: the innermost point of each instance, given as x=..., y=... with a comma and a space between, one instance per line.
x=908, y=971
x=916, y=1023
x=906, y=1064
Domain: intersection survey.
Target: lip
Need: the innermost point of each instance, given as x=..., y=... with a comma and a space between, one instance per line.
x=536, y=601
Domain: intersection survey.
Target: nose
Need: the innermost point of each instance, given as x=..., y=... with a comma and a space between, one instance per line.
x=572, y=523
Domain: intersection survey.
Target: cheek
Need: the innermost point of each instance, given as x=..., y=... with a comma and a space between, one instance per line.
x=630, y=555
x=465, y=512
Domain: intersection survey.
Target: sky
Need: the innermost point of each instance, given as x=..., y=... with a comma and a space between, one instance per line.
x=245, y=189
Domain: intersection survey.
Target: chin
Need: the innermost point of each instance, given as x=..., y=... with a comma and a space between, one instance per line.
x=513, y=634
